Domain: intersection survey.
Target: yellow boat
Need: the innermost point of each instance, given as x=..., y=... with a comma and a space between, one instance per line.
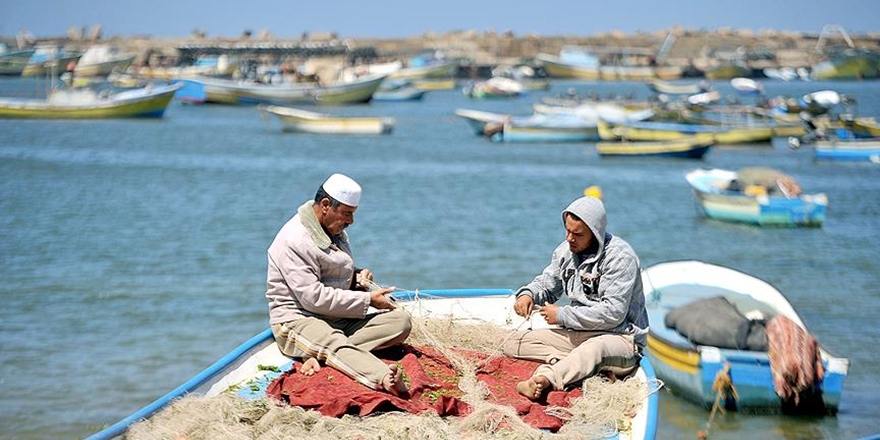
x=428, y=84
x=667, y=131
x=693, y=147
x=147, y=102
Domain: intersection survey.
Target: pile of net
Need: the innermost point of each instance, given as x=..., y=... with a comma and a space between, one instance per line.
x=466, y=392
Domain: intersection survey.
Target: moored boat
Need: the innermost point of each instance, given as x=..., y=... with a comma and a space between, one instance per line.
x=298, y=120
x=428, y=84
x=395, y=90
x=227, y=91
x=50, y=60
x=866, y=127
x=848, y=149
x=101, y=60
x=480, y=121
x=665, y=131
x=756, y=195
x=427, y=65
x=560, y=127
x=694, y=147
x=715, y=339
x=677, y=88
x=630, y=64
x=249, y=371
x=13, y=62
x=146, y=102
x=495, y=87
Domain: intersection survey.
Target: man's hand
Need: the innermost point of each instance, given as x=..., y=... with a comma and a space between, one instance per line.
x=364, y=278
x=523, y=306
x=549, y=313
x=381, y=299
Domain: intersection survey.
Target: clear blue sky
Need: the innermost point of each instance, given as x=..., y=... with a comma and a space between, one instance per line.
x=403, y=18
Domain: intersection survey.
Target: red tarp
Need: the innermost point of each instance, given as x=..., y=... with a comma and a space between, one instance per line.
x=432, y=386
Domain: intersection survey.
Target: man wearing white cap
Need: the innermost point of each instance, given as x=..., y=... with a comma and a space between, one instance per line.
x=318, y=299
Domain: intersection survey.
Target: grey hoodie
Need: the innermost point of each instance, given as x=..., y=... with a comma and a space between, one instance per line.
x=603, y=284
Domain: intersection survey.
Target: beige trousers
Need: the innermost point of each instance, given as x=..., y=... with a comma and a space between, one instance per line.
x=345, y=344
x=571, y=356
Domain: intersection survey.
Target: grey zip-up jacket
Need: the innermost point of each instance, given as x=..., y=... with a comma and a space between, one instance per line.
x=310, y=273
x=604, y=288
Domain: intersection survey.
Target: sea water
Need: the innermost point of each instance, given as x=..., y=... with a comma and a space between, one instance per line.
x=134, y=251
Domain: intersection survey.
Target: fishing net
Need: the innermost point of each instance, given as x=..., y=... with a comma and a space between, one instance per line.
x=472, y=384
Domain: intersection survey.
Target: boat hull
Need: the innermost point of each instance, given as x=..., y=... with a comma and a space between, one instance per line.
x=859, y=150
x=684, y=148
x=722, y=134
x=690, y=370
x=524, y=134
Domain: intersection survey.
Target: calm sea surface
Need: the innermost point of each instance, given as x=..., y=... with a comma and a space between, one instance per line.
x=134, y=251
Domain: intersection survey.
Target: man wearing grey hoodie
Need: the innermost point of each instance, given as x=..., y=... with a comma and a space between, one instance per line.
x=601, y=324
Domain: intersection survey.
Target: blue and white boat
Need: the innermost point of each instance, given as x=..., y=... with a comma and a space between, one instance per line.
x=690, y=369
x=539, y=127
x=848, y=149
x=726, y=195
x=398, y=90
x=251, y=367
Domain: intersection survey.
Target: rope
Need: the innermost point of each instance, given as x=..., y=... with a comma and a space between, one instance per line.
x=723, y=387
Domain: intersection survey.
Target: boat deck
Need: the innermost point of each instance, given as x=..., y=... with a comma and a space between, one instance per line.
x=668, y=298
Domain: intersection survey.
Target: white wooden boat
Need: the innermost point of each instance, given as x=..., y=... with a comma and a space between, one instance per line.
x=676, y=88
x=258, y=360
x=101, y=59
x=480, y=121
x=227, y=91
x=303, y=121
x=495, y=87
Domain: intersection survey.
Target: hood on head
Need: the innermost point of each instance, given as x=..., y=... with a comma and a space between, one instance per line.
x=592, y=212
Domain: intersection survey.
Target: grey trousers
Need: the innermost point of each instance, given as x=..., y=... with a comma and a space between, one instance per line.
x=345, y=344
x=571, y=356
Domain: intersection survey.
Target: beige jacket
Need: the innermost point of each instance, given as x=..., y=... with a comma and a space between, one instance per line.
x=310, y=273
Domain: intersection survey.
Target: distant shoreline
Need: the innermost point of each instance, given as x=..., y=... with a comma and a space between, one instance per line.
x=700, y=50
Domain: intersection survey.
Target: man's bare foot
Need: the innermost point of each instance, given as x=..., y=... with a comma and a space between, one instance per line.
x=310, y=367
x=393, y=381
x=534, y=387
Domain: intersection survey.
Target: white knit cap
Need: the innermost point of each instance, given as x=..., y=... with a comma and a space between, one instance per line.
x=343, y=189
